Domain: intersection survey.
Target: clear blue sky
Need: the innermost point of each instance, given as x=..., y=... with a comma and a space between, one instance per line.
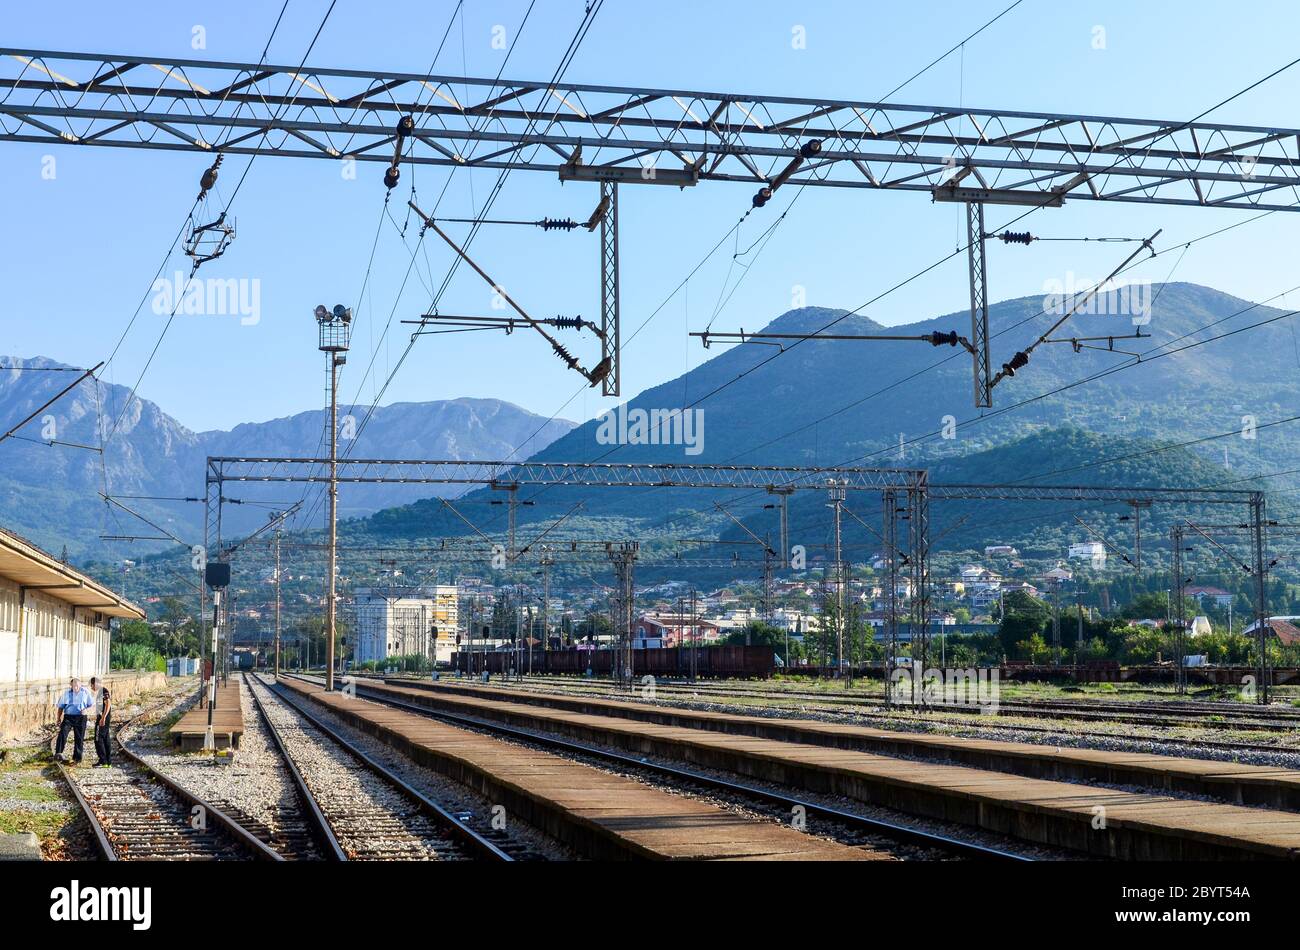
x=80, y=250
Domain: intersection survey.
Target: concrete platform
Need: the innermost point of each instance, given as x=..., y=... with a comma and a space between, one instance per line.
x=1099, y=821
x=1227, y=781
x=20, y=846
x=227, y=723
x=598, y=814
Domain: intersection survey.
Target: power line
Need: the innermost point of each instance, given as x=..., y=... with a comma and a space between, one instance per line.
x=734, y=229
x=585, y=25
x=180, y=297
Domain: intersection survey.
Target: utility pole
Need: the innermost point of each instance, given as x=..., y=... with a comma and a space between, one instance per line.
x=203, y=639
x=208, y=742
x=694, y=631
x=1261, y=592
x=890, y=505
x=837, y=495
x=1137, y=505
x=783, y=507
x=768, y=564
x=624, y=558
x=335, y=333
x=1078, y=640
x=681, y=633
x=519, y=630
x=277, y=601
x=1056, y=621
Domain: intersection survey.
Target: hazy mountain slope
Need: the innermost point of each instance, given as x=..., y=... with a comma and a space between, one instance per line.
x=828, y=403
x=50, y=494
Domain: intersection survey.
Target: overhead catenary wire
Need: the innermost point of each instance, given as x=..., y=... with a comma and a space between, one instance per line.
x=570, y=52
x=734, y=227
x=194, y=268
x=1170, y=131
x=1145, y=356
x=932, y=366
x=768, y=233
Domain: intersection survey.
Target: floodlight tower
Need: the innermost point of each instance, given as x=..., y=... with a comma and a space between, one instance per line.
x=335, y=334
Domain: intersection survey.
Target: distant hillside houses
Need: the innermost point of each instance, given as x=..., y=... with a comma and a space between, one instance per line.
x=974, y=577
x=1284, y=628
x=1220, y=597
x=656, y=631
x=1094, y=552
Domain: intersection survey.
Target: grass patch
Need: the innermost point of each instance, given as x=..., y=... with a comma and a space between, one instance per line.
x=46, y=824
x=33, y=789
x=22, y=758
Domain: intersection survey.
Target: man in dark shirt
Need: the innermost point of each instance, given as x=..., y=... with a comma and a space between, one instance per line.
x=103, y=723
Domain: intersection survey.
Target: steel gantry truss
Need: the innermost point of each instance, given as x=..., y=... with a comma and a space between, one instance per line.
x=907, y=494
x=510, y=476
x=610, y=342
x=1255, y=526
x=635, y=135
x=778, y=478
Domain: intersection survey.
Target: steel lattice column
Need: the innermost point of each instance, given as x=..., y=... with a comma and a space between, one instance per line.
x=890, y=534
x=1261, y=592
x=979, y=303
x=610, y=345
x=918, y=512
x=1179, y=611
x=624, y=558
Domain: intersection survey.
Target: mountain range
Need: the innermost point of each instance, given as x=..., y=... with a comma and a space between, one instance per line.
x=888, y=403
x=50, y=494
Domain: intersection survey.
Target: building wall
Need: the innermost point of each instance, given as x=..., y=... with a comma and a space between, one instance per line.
x=44, y=638
x=26, y=707
x=384, y=621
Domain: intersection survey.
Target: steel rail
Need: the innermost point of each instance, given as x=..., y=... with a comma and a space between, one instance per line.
x=242, y=835
x=324, y=833
x=105, y=846
x=828, y=704
x=1049, y=709
x=479, y=844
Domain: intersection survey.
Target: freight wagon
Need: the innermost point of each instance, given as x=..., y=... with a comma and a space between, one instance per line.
x=709, y=662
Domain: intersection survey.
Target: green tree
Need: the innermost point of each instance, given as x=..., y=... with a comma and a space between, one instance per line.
x=1023, y=618
x=759, y=633
x=1148, y=606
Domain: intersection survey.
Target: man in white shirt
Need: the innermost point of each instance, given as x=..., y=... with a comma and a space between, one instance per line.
x=72, y=717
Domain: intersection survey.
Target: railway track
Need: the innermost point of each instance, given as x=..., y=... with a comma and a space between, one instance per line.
x=1171, y=714
x=1176, y=707
x=360, y=809
x=855, y=827
x=843, y=715
x=139, y=814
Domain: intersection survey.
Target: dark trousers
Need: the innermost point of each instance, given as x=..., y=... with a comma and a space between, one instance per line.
x=77, y=725
x=103, y=744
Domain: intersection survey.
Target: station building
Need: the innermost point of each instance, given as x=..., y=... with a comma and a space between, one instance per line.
x=54, y=620
x=401, y=621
